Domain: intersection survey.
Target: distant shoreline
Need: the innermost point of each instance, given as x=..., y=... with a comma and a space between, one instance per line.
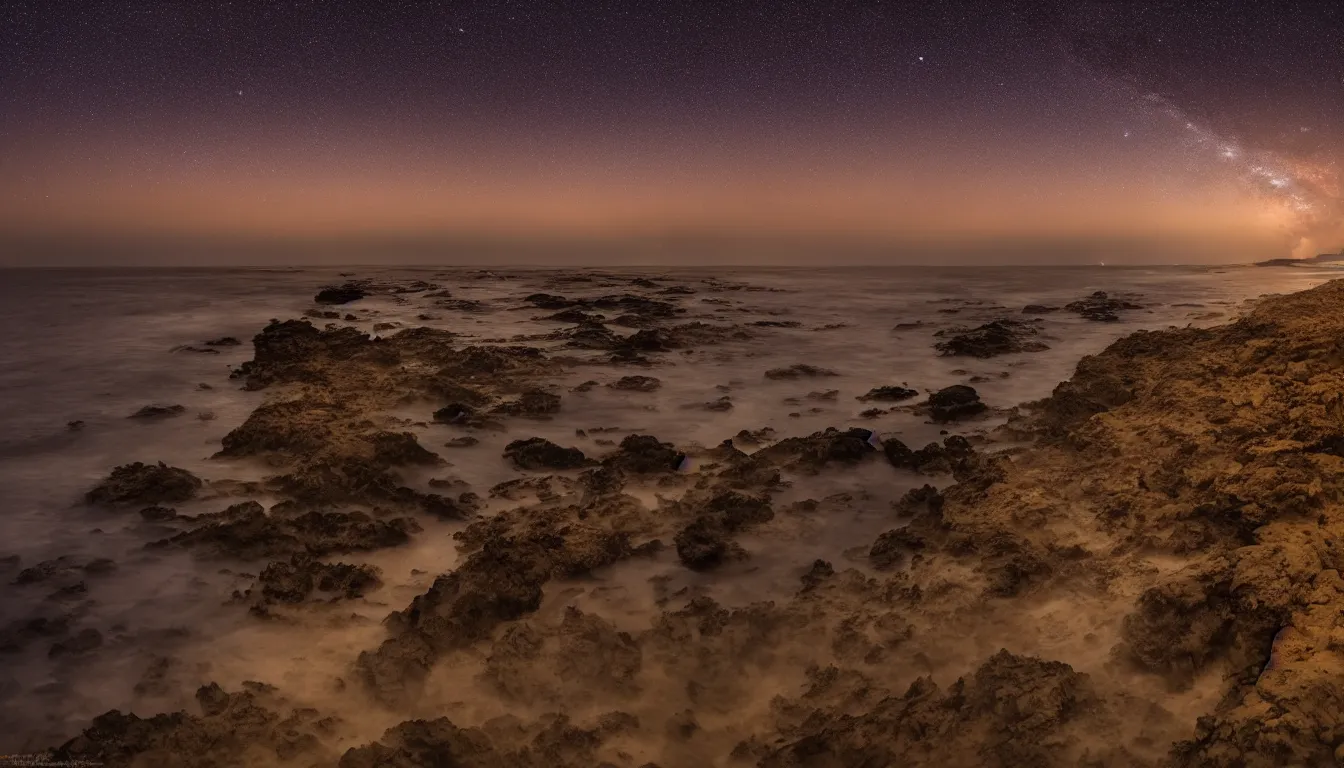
x=1324, y=258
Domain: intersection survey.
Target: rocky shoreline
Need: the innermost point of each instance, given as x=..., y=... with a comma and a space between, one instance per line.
x=1148, y=576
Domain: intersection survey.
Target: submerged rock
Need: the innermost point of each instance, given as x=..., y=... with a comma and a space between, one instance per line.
x=85, y=640
x=158, y=411
x=636, y=384
x=798, y=371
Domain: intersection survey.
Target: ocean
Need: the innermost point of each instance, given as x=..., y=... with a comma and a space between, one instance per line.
x=92, y=346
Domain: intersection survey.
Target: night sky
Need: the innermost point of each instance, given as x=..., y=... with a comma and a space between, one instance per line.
x=1181, y=131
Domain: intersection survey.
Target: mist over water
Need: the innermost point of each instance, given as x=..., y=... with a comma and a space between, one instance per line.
x=96, y=345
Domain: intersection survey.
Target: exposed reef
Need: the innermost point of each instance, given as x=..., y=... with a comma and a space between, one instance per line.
x=1142, y=569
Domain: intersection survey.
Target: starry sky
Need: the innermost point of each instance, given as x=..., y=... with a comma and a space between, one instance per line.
x=1073, y=132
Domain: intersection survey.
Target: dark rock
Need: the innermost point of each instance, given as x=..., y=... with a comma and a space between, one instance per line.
x=999, y=337
x=549, y=301
x=295, y=580
x=643, y=454
x=399, y=449
x=592, y=336
x=223, y=341
x=158, y=411
x=342, y=294
x=636, y=384
x=539, y=453
x=145, y=484
x=955, y=402
x=466, y=441
x=889, y=394
x=84, y=641
x=74, y=426
x=754, y=437
x=70, y=592
x=682, y=726
x=99, y=566
x=455, y=413
x=898, y=453
x=240, y=511
x=45, y=570
x=518, y=552
x=258, y=535
x=649, y=340
x=576, y=316
x=446, y=508
x=820, y=448
x=925, y=497
x=532, y=403
x=1100, y=307
x=703, y=545
x=1038, y=309
x=798, y=371
x=16, y=636
x=818, y=573
x=232, y=730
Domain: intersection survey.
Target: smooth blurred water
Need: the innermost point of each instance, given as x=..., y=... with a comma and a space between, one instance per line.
x=95, y=345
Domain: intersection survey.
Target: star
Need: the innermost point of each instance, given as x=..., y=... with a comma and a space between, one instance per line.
x=240, y=93
x=921, y=58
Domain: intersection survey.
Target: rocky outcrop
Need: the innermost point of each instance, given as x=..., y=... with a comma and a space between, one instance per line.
x=1101, y=307
x=1153, y=582
x=798, y=371
x=340, y=294
x=539, y=453
x=888, y=394
x=955, y=402
x=141, y=483
x=1000, y=337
